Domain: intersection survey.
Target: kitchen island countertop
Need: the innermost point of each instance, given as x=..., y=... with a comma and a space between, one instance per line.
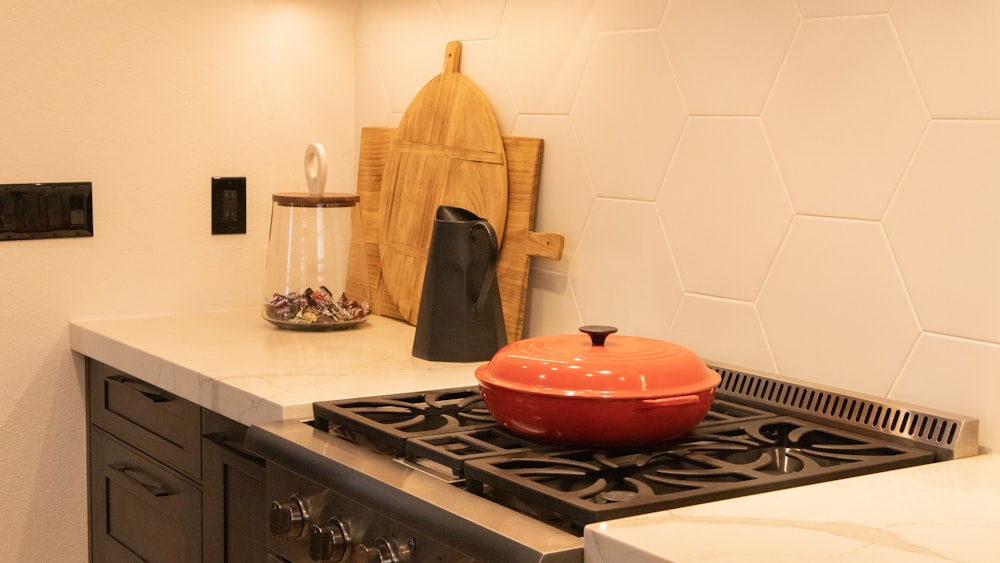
x=946, y=511
x=235, y=363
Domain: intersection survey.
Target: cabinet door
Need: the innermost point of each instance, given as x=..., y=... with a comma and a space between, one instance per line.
x=236, y=509
x=141, y=511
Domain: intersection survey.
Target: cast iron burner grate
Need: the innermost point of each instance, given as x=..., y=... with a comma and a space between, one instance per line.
x=584, y=486
x=452, y=450
x=447, y=427
x=736, y=450
x=387, y=422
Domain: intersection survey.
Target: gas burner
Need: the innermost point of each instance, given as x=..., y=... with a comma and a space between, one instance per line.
x=783, y=447
x=586, y=486
x=388, y=422
x=452, y=450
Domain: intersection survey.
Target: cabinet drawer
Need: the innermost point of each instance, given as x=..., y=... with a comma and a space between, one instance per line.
x=165, y=426
x=140, y=510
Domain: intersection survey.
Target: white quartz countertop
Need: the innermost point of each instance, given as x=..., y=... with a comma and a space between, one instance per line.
x=239, y=365
x=946, y=511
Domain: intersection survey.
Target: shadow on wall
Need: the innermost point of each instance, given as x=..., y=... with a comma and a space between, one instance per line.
x=45, y=470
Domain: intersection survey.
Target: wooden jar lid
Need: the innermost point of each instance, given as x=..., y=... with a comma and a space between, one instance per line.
x=304, y=199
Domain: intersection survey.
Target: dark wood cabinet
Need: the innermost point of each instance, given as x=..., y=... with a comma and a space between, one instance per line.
x=141, y=510
x=164, y=426
x=235, y=507
x=169, y=481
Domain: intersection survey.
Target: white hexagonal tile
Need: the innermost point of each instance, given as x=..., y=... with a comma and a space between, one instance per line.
x=623, y=274
x=954, y=51
x=942, y=225
x=833, y=8
x=637, y=15
x=551, y=306
x=954, y=375
x=722, y=330
x=844, y=117
x=544, y=47
x=628, y=115
x=724, y=207
x=410, y=48
x=564, y=193
x=466, y=20
x=726, y=53
x=367, y=22
x=481, y=63
x=834, y=308
x=371, y=108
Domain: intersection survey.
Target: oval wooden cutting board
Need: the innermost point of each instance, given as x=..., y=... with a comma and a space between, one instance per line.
x=448, y=151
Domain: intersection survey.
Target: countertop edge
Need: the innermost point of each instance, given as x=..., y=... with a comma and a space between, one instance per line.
x=180, y=380
x=235, y=364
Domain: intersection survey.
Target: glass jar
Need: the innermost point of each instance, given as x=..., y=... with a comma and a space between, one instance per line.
x=307, y=258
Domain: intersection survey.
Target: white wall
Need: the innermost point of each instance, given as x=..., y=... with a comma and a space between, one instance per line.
x=147, y=100
x=808, y=187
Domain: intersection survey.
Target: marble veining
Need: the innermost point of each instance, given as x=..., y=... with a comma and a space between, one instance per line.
x=859, y=532
x=946, y=511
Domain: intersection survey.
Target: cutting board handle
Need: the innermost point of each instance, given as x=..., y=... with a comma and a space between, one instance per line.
x=545, y=245
x=452, y=56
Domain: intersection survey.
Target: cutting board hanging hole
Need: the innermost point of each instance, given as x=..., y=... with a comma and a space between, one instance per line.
x=452, y=56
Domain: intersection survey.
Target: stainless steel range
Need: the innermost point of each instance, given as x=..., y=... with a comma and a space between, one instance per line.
x=430, y=476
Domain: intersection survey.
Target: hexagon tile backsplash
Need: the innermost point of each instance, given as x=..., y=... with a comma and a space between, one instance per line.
x=809, y=188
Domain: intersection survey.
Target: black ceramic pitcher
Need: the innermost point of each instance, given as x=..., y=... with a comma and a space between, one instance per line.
x=460, y=317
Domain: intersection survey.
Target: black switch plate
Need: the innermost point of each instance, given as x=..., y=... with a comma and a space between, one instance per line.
x=46, y=210
x=229, y=206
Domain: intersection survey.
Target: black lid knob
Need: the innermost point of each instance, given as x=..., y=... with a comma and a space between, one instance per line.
x=598, y=333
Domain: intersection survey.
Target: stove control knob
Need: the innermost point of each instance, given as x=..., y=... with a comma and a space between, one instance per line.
x=330, y=542
x=288, y=519
x=385, y=551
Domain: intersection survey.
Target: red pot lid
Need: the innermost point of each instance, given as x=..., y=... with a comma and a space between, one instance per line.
x=598, y=364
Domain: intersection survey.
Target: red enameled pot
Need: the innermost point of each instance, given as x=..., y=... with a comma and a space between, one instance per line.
x=597, y=388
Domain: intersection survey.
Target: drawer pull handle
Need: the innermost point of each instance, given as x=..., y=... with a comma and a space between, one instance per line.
x=232, y=446
x=147, y=390
x=154, y=487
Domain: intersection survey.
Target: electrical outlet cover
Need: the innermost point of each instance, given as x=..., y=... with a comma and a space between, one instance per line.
x=229, y=206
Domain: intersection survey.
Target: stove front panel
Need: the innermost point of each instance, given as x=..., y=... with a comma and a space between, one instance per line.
x=333, y=500
x=336, y=528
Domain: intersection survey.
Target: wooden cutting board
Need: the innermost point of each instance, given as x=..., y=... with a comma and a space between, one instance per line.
x=520, y=241
x=446, y=151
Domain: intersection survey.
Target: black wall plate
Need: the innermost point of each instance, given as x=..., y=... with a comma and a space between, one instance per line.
x=46, y=210
x=229, y=206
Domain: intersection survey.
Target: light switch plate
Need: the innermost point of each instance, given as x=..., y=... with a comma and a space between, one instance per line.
x=46, y=210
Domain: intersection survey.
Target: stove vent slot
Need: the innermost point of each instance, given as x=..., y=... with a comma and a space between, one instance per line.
x=949, y=435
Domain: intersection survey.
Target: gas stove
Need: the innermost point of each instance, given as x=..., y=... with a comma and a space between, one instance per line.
x=430, y=476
